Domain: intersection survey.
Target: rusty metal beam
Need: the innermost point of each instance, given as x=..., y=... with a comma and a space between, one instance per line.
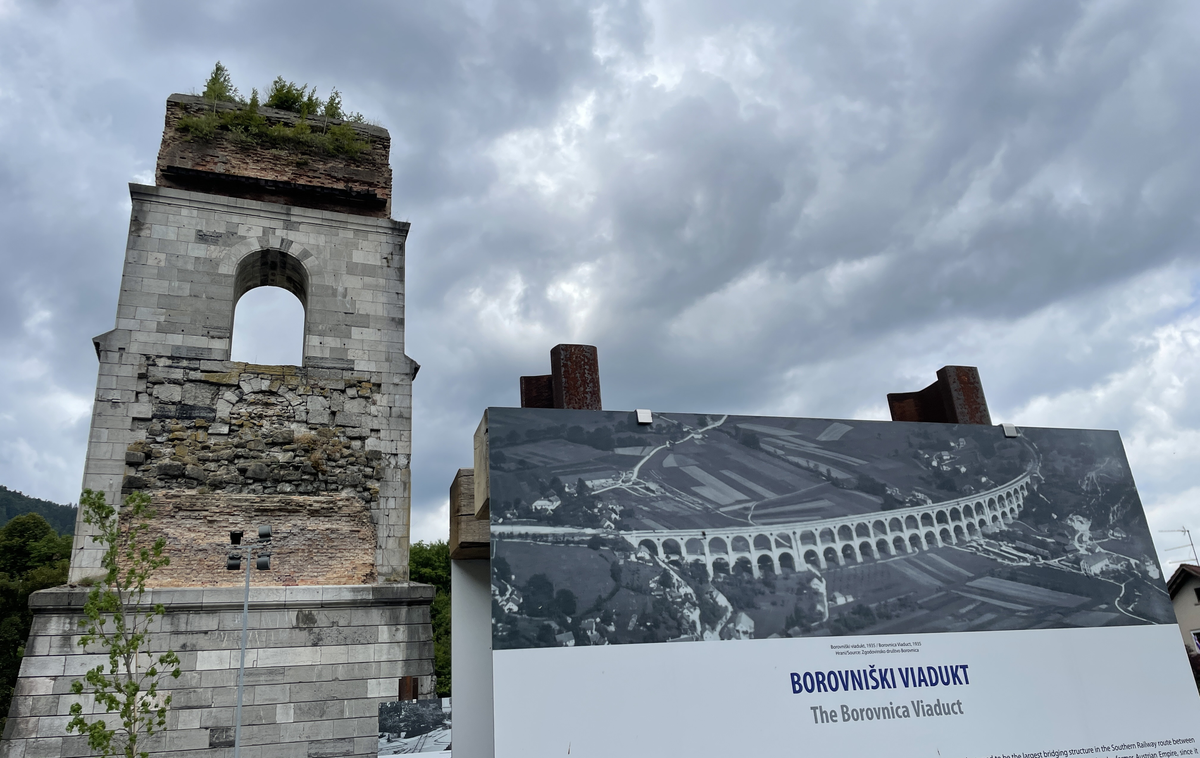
x=574, y=381
x=955, y=398
x=537, y=391
x=576, y=376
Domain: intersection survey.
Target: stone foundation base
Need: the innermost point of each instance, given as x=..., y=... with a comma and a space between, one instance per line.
x=319, y=661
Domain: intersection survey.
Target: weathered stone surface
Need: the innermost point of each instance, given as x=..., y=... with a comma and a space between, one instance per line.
x=168, y=393
x=310, y=179
x=169, y=469
x=270, y=435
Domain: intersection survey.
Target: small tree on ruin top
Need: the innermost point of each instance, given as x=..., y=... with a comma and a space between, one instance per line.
x=117, y=620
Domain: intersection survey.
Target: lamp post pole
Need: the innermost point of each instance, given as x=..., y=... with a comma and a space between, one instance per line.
x=233, y=563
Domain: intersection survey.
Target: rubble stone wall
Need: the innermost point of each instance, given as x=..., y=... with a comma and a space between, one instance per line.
x=228, y=446
x=240, y=428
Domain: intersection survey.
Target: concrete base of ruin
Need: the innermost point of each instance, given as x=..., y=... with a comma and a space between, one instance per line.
x=319, y=661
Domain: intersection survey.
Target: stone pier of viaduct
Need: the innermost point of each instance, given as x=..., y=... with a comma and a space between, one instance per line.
x=841, y=540
x=319, y=451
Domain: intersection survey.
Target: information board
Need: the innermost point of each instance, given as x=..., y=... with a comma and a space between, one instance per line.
x=408, y=727
x=714, y=585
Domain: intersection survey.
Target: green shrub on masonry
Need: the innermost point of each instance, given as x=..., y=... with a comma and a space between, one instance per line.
x=219, y=87
x=203, y=127
x=248, y=126
x=333, y=106
x=245, y=125
x=341, y=139
x=333, y=109
x=289, y=96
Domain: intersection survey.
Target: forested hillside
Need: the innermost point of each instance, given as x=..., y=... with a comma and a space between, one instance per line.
x=32, y=557
x=13, y=504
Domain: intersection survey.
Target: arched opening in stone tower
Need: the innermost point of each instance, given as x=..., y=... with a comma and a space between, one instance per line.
x=270, y=296
x=268, y=328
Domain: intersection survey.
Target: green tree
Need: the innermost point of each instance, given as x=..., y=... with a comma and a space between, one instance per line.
x=430, y=563
x=117, y=619
x=333, y=109
x=333, y=106
x=27, y=542
x=297, y=98
x=219, y=87
x=32, y=557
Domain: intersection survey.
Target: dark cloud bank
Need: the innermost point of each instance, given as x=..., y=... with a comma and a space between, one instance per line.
x=758, y=208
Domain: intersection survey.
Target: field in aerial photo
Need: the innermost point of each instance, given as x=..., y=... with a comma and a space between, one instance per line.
x=714, y=527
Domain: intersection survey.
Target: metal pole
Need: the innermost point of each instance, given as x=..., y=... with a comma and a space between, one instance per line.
x=237, y=730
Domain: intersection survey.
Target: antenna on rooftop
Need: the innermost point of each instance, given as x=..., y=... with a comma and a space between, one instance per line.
x=1191, y=544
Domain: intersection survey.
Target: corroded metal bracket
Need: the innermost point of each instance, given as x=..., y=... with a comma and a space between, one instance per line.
x=573, y=381
x=955, y=398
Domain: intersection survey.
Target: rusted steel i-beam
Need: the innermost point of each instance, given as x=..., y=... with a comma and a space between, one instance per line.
x=955, y=398
x=576, y=372
x=537, y=391
x=574, y=381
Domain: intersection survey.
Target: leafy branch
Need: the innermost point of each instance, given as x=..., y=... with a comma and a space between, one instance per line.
x=117, y=619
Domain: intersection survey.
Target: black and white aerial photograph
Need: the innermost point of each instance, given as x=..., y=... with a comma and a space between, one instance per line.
x=416, y=726
x=714, y=527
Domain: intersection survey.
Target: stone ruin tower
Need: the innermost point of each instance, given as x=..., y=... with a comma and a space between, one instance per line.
x=319, y=451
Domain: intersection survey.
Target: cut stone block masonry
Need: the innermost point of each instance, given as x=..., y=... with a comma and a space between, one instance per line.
x=319, y=451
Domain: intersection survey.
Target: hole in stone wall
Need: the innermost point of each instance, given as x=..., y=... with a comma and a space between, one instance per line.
x=268, y=328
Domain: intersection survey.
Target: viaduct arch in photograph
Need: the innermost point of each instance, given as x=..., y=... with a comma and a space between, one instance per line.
x=841, y=540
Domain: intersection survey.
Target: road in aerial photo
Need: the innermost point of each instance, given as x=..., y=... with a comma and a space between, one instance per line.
x=714, y=527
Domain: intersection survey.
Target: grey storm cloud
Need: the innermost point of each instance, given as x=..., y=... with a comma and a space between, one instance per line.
x=752, y=207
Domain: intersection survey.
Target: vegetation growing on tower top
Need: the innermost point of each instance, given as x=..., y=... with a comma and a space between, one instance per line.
x=313, y=132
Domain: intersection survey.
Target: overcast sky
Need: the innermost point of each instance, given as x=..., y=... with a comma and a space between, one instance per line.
x=752, y=207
